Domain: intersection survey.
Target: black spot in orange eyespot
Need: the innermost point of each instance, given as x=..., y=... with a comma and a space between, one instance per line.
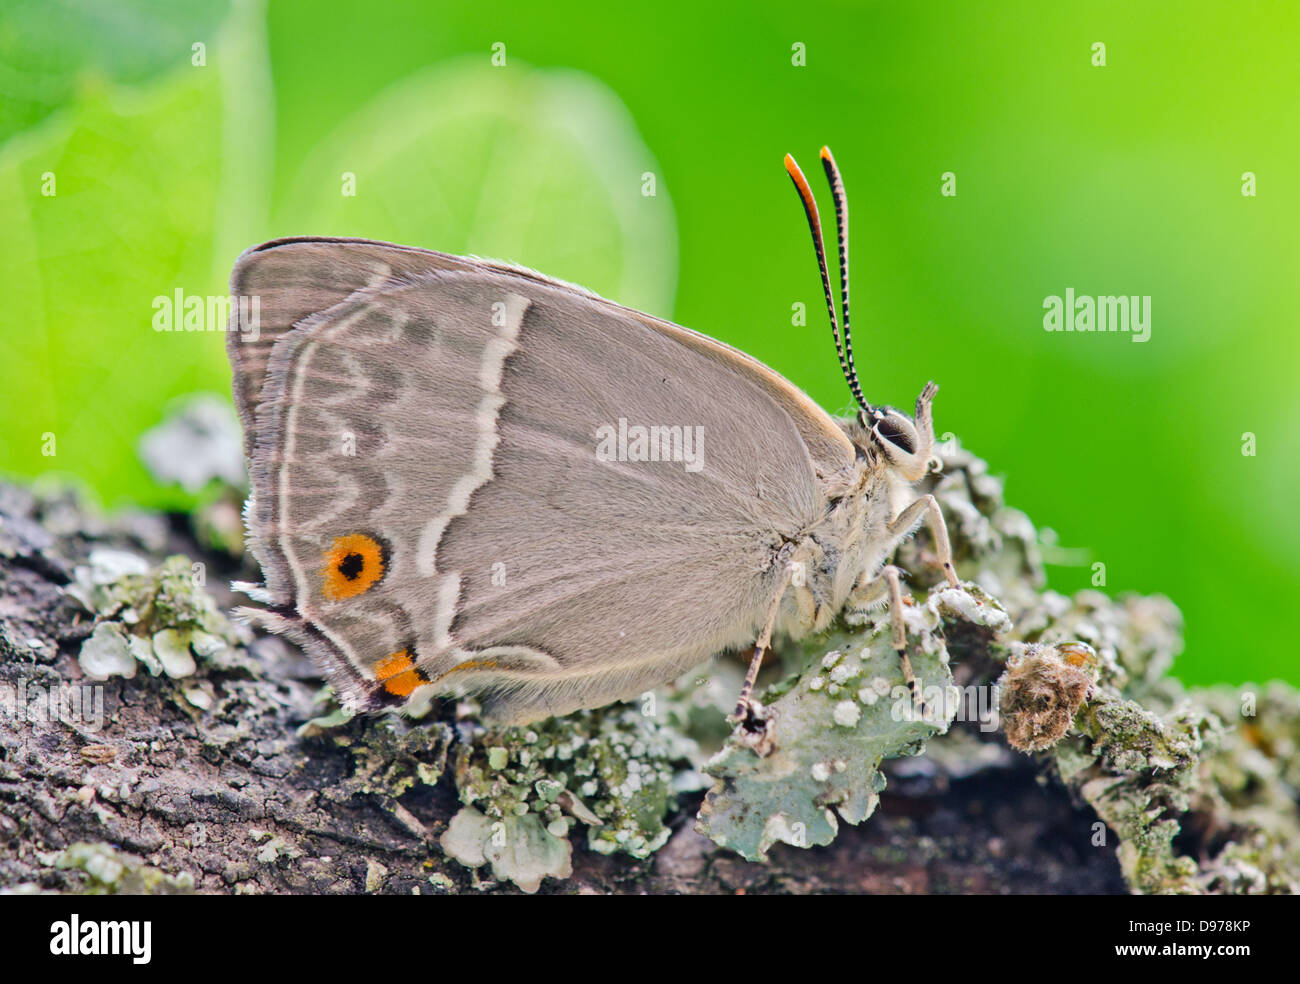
x=353, y=565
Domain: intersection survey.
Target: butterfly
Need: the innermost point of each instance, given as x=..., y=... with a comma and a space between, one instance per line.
x=468, y=477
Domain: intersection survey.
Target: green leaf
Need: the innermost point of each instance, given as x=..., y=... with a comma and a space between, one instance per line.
x=157, y=190
x=48, y=48
x=117, y=200
x=541, y=168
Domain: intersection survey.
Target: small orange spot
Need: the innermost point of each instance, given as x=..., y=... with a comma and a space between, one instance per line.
x=353, y=565
x=398, y=674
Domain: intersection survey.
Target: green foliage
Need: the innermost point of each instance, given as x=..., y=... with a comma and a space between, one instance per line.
x=50, y=48
x=124, y=195
x=1194, y=788
x=542, y=168
x=157, y=188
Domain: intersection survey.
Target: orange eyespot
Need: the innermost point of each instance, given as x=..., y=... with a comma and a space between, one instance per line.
x=353, y=565
x=398, y=674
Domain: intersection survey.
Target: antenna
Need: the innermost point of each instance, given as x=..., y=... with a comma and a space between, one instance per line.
x=842, y=234
x=843, y=348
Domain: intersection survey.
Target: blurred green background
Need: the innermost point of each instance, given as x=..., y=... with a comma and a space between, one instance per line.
x=165, y=160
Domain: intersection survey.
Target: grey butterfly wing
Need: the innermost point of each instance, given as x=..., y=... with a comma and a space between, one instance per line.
x=285, y=281
x=581, y=580
x=452, y=420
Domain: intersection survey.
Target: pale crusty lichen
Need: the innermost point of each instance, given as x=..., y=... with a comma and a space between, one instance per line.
x=1196, y=787
x=1155, y=759
x=162, y=618
x=1138, y=771
x=108, y=871
x=525, y=790
x=833, y=724
x=518, y=848
x=1204, y=769
x=390, y=756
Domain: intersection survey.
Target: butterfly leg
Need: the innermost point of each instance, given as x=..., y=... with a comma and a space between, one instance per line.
x=747, y=710
x=888, y=586
x=908, y=518
x=750, y=716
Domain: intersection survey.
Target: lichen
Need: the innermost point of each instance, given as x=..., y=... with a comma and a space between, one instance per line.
x=518, y=848
x=1041, y=691
x=391, y=756
x=163, y=619
x=198, y=442
x=1138, y=771
x=830, y=727
x=1195, y=787
x=609, y=770
x=1164, y=766
x=108, y=871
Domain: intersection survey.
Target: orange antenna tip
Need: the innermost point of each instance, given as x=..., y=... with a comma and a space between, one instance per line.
x=805, y=192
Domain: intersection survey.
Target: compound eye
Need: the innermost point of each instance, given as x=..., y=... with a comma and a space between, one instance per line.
x=891, y=432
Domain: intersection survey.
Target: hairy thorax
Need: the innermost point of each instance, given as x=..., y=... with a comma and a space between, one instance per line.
x=845, y=547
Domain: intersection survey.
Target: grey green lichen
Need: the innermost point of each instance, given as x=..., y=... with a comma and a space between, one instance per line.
x=1197, y=766
x=163, y=619
x=524, y=791
x=390, y=756
x=1138, y=772
x=1090, y=691
x=833, y=724
x=1085, y=687
x=108, y=871
x=1247, y=790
